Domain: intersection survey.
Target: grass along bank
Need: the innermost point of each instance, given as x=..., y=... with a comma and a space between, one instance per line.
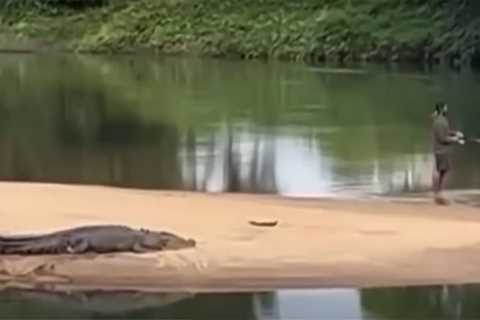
x=310, y=30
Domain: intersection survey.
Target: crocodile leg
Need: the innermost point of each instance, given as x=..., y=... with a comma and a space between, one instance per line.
x=78, y=247
x=138, y=248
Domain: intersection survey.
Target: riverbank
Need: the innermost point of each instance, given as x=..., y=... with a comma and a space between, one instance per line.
x=317, y=243
x=368, y=30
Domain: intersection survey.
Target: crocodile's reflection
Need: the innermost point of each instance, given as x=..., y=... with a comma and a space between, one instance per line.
x=103, y=302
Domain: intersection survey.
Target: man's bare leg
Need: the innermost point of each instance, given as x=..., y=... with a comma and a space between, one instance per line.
x=439, y=199
x=435, y=182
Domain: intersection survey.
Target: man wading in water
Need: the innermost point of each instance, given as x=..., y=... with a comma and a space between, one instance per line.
x=443, y=138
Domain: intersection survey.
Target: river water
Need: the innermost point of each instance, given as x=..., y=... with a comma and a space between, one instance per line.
x=440, y=302
x=229, y=126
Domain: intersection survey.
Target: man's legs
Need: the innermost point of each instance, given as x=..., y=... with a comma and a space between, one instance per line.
x=441, y=179
x=442, y=169
x=439, y=199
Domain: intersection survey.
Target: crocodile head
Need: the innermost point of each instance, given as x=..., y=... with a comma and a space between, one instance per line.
x=165, y=241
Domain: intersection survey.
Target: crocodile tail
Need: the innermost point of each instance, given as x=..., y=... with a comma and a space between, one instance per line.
x=21, y=238
x=13, y=247
x=24, y=247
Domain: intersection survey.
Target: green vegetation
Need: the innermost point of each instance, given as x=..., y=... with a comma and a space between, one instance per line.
x=310, y=30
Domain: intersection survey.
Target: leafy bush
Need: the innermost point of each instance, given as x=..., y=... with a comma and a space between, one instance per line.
x=51, y=4
x=297, y=30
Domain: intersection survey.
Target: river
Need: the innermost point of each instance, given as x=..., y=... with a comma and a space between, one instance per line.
x=436, y=302
x=229, y=126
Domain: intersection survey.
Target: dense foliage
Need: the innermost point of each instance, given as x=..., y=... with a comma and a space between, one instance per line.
x=312, y=30
x=51, y=4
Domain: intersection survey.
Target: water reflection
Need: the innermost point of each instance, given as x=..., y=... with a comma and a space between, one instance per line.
x=436, y=302
x=442, y=302
x=319, y=304
x=226, y=126
x=45, y=304
x=27, y=304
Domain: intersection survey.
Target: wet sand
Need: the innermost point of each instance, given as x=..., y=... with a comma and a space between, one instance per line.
x=317, y=243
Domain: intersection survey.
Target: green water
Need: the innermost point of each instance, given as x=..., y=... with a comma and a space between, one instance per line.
x=214, y=125
x=442, y=302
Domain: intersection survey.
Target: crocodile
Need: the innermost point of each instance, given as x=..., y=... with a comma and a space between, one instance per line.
x=94, y=239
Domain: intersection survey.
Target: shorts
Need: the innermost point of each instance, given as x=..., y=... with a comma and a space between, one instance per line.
x=442, y=162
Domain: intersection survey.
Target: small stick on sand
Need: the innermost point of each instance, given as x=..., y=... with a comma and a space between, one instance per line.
x=263, y=223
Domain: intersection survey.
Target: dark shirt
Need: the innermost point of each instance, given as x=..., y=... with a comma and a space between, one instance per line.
x=442, y=139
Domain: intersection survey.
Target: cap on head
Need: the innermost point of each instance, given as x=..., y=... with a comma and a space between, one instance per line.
x=441, y=108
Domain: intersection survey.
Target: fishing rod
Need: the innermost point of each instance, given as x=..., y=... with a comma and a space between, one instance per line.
x=471, y=139
x=462, y=138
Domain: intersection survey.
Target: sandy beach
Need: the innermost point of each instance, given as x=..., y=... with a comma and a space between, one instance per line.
x=317, y=243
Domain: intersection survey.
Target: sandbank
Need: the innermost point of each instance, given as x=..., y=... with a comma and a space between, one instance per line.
x=316, y=243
